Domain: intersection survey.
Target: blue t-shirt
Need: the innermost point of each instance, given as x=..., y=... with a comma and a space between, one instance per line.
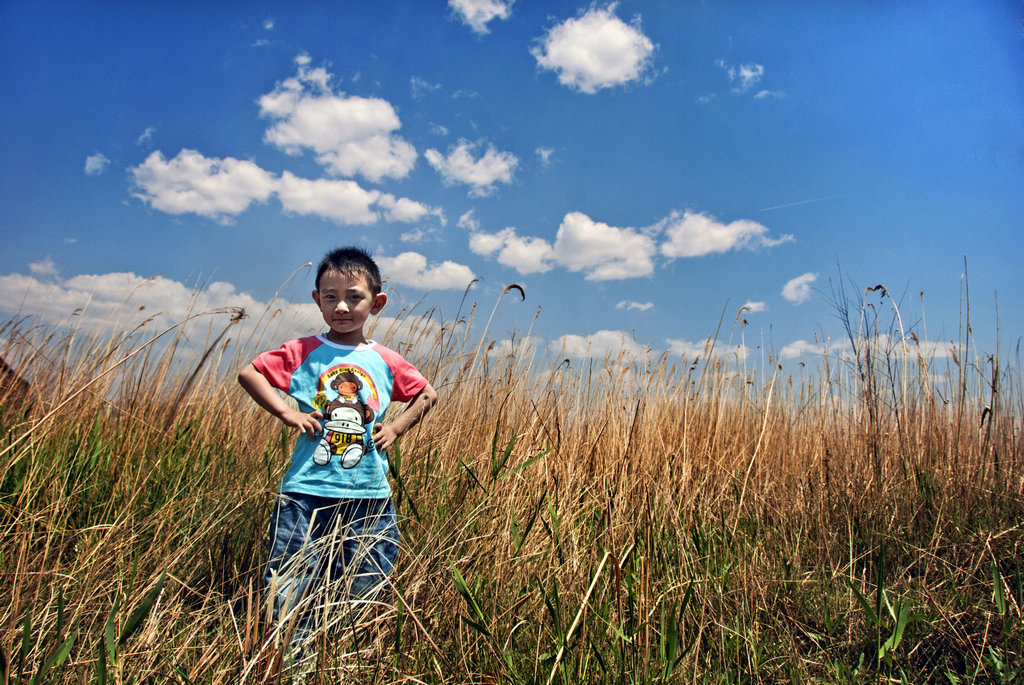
x=352, y=387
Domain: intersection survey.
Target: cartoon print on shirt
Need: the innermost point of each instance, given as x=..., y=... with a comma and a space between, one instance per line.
x=344, y=425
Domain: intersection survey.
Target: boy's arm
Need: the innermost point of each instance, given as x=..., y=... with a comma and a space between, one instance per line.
x=260, y=389
x=384, y=435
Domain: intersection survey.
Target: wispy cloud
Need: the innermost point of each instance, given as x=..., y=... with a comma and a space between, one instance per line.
x=800, y=202
x=743, y=76
x=96, y=164
x=641, y=306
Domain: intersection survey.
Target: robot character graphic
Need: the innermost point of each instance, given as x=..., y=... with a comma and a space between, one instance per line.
x=345, y=423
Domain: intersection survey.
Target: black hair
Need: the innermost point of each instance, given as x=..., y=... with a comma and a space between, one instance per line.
x=351, y=261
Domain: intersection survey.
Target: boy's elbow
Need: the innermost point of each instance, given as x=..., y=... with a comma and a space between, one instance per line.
x=245, y=375
x=428, y=395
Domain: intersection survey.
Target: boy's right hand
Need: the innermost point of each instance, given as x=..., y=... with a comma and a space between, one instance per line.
x=306, y=423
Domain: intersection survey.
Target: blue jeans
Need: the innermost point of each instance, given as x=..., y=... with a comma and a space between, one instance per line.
x=325, y=552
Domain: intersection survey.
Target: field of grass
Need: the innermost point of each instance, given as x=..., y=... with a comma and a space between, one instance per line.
x=662, y=520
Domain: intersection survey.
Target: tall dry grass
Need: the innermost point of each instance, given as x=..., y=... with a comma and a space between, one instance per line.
x=564, y=520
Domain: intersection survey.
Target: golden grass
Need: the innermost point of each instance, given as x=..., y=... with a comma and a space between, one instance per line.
x=617, y=520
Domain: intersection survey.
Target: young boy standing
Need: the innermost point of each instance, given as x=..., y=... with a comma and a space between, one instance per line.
x=334, y=519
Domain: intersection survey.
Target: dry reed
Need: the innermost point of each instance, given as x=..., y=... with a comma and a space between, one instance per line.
x=618, y=520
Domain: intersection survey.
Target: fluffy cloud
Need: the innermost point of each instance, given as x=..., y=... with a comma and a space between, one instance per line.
x=476, y=14
x=693, y=350
x=628, y=306
x=604, y=252
x=223, y=188
x=407, y=211
x=44, y=267
x=338, y=200
x=96, y=164
x=192, y=183
x=410, y=268
x=481, y=174
x=600, y=345
x=693, y=234
x=120, y=301
x=349, y=134
x=526, y=255
x=798, y=290
x=752, y=306
x=113, y=304
x=595, y=50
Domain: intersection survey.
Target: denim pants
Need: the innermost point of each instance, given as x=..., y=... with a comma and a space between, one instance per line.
x=324, y=553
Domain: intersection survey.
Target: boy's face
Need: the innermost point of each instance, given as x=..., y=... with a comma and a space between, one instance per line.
x=345, y=302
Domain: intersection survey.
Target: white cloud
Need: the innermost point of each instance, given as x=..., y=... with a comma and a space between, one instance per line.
x=349, y=134
x=407, y=211
x=595, y=50
x=744, y=77
x=416, y=235
x=693, y=350
x=604, y=252
x=146, y=136
x=421, y=87
x=476, y=14
x=118, y=302
x=410, y=268
x=514, y=348
x=44, y=267
x=762, y=94
x=752, y=306
x=687, y=349
x=121, y=301
x=798, y=290
x=526, y=255
x=544, y=154
x=192, y=183
x=628, y=305
x=468, y=221
x=222, y=188
x=344, y=202
x=96, y=164
x=603, y=344
x=695, y=234
x=268, y=24
x=481, y=174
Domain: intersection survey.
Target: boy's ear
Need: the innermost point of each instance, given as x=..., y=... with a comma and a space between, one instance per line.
x=378, y=303
x=316, y=297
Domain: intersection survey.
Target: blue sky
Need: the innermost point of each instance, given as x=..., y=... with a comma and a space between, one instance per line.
x=641, y=169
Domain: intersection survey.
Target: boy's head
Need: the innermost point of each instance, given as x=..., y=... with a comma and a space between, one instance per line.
x=351, y=261
x=347, y=292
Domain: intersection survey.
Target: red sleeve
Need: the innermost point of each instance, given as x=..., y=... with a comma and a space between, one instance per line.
x=278, y=365
x=408, y=380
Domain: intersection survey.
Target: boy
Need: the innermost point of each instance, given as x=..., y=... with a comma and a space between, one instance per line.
x=334, y=519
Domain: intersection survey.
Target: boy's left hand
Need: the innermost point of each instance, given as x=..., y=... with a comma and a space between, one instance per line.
x=383, y=436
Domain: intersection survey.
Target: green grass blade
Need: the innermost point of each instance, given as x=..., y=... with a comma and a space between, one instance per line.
x=134, y=621
x=56, y=658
